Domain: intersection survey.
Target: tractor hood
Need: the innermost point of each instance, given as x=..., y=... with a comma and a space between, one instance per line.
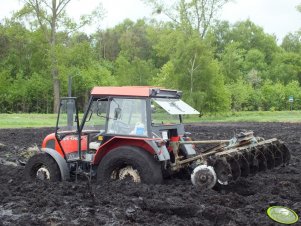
x=176, y=106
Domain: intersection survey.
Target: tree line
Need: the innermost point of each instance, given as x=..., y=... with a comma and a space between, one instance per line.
x=219, y=66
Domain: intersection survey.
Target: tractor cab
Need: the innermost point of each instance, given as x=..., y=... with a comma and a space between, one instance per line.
x=129, y=113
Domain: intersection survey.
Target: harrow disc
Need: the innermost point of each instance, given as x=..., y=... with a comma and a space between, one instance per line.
x=277, y=154
x=223, y=170
x=235, y=167
x=233, y=163
x=262, y=162
x=269, y=157
x=244, y=164
x=286, y=153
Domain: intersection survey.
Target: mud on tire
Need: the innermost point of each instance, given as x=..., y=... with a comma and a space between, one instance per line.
x=43, y=163
x=140, y=160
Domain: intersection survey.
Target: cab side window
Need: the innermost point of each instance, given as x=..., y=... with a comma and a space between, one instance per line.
x=127, y=117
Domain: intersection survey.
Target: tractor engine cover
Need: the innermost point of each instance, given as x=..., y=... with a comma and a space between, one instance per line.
x=203, y=177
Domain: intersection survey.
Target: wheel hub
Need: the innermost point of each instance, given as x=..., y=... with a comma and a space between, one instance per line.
x=43, y=174
x=127, y=173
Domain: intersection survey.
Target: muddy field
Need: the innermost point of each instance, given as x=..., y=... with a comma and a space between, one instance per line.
x=176, y=202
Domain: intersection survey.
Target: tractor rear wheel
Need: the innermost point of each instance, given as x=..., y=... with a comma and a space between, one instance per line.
x=42, y=166
x=130, y=163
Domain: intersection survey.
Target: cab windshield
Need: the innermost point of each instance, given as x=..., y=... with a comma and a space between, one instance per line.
x=97, y=116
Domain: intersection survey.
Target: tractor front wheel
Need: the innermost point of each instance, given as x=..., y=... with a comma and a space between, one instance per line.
x=130, y=163
x=42, y=166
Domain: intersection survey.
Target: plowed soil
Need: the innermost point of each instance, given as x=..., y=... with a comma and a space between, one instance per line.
x=176, y=202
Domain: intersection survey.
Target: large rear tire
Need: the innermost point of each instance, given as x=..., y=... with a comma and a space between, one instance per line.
x=42, y=166
x=130, y=163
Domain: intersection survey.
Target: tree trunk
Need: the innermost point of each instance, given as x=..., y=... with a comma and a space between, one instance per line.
x=54, y=69
x=191, y=71
x=49, y=13
x=56, y=89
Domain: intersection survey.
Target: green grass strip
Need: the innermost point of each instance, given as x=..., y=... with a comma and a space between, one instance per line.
x=49, y=120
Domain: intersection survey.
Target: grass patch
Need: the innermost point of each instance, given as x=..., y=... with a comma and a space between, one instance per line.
x=249, y=116
x=27, y=120
x=49, y=120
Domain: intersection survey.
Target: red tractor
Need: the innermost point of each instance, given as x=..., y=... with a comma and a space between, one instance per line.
x=127, y=133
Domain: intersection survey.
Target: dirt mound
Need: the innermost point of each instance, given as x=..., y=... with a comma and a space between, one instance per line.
x=176, y=202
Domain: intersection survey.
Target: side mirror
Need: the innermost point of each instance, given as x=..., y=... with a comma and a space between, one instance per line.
x=117, y=113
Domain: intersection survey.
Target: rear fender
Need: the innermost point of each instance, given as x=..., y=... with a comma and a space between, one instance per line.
x=65, y=172
x=146, y=144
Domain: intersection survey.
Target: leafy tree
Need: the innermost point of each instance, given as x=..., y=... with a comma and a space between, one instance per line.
x=107, y=45
x=220, y=36
x=254, y=62
x=240, y=92
x=254, y=100
x=251, y=36
x=38, y=93
x=233, y=62
x=50, y=16
x=254, y=59
x=78, y=59
x=273, y=96
x=4, y=89
x=190, y=15
x=292, y=42
x=4, y=43
x=134, y=43
x=107, y=41
x=286, y=67
x=165, y=41
x=253, y=78
x=135, y=72
x=17, y=51
x=166, y=77
x=23, y=56
x=192, y=69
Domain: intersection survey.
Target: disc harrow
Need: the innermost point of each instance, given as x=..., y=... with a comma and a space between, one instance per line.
x=243, y=161
x=228, y=160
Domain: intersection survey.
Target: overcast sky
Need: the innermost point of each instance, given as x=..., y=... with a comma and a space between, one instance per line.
x=277, y=17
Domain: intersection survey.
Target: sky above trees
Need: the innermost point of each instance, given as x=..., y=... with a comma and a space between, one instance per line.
x=277, y=17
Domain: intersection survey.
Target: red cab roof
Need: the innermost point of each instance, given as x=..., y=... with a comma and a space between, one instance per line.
x=138, y=91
